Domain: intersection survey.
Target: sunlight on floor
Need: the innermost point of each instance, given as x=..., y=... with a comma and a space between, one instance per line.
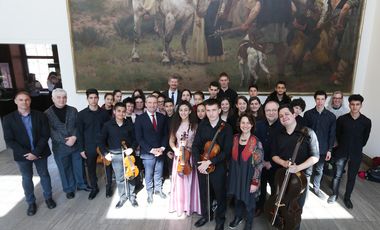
x=11, y=192
x=157, y=210
x=316, y=208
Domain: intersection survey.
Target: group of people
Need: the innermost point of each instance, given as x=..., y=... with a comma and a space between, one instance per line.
x=225, y=146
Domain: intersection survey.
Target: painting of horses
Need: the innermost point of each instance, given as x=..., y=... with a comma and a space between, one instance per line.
x=131, y=44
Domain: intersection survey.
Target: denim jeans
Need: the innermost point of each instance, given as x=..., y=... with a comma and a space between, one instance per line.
x=125, y=188
x=26, y=170
x=352, y=170
x=70, y=169
x=153, y=174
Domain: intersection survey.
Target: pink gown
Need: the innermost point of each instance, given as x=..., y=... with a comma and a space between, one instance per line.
x=184, y=190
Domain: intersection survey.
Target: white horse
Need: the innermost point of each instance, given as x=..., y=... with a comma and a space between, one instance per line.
x=166, y=14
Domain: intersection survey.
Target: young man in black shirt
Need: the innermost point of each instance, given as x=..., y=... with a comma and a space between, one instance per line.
x=279, y=94
x=285, y=142
x=323, y=123
x=225, y=91
x=114, y=132
x=90, y=123
x=352, y=133
x=205, y=132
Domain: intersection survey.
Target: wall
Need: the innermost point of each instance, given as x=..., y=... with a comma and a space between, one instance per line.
x=46, y=21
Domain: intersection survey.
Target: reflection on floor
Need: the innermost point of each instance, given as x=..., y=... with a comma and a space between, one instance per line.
x=80, y=213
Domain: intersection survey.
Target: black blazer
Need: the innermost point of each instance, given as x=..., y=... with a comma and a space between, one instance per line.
x=149, y=138
x=179, y=95
x=17, y=138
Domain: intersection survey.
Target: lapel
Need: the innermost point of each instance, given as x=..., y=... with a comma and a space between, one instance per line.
x=34, y=124
x=147, y=117
x=20, y=124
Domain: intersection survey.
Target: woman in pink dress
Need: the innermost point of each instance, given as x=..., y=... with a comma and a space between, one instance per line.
x=184, y=191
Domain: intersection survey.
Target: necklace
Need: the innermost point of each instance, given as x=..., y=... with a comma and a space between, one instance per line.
x=242, y=139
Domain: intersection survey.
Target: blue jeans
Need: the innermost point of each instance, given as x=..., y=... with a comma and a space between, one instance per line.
x=26, y=170
x=352, y=171
x=153, y=174
x=70, y=169
x=125, y=188
x=318, y=172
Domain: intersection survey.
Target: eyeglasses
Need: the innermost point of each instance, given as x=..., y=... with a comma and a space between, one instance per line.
x=271, y=110
x=340, y=98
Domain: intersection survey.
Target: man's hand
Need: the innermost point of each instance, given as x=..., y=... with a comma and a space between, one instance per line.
x=285, y=164
x=170, y=154
x=328, y=156
x=108, y=157
x=83, y=154
x=203, y=165
x=70, y=141
x=30, y=157
x=267, y=165
x=294, y=169
x=253, y=188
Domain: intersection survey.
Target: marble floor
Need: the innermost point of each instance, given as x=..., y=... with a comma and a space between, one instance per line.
x=100, y=213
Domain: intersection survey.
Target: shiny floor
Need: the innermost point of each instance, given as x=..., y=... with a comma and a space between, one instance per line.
x=100, y=213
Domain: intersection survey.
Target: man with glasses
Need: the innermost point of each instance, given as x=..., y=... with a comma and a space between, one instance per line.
x=336, y=104
x=266, y=130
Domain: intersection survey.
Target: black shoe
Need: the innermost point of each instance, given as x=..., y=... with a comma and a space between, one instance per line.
x=50, y=203
x=32, y=209
x=348, y=203
x=161, y=194
x=134, y=203
x=120, y=203
x=70, y=195
x=202, y=221
x=235, y=222
x=319, y=194
x=150, y=198
x=108, y=192
x=93, y=194
x=219, y=226
x=87, y=189
x=332, y=199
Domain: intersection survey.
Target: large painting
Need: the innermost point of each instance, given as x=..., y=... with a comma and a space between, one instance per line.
x=130, y=44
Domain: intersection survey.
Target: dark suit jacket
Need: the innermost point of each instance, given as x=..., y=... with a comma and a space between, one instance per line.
x=179, y=95
x=149, y=138
x=17, y=138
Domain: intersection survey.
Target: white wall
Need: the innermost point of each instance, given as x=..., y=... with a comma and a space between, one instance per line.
x=46, y=21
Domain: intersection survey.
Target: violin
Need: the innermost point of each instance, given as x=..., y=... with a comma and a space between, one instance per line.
x=212, y=149
x=282, y=207
x=101, y=159
x=184, y=167
x=131, y=170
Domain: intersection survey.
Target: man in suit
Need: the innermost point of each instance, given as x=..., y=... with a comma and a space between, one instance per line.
x=152, y=135
x=173, y=92
x=63, y=129
x=27, y=132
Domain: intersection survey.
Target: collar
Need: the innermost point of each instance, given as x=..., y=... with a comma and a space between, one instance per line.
x=115, y=123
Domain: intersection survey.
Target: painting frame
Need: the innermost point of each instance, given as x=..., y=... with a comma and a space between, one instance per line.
x=265, y=90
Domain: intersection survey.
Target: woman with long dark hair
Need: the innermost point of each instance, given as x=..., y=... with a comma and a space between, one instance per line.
x=245, y=171
x=241, y=106
x=184, y=191
x=226, y=108
x=256, y=108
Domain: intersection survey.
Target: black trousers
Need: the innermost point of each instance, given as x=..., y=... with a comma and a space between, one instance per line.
x=91, y=169
x=352, y=171
x=218, y=187
x=267, y=176
x=240, y=207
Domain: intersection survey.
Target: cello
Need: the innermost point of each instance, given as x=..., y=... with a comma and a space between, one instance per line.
x=282, y=207
x=183, y=167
